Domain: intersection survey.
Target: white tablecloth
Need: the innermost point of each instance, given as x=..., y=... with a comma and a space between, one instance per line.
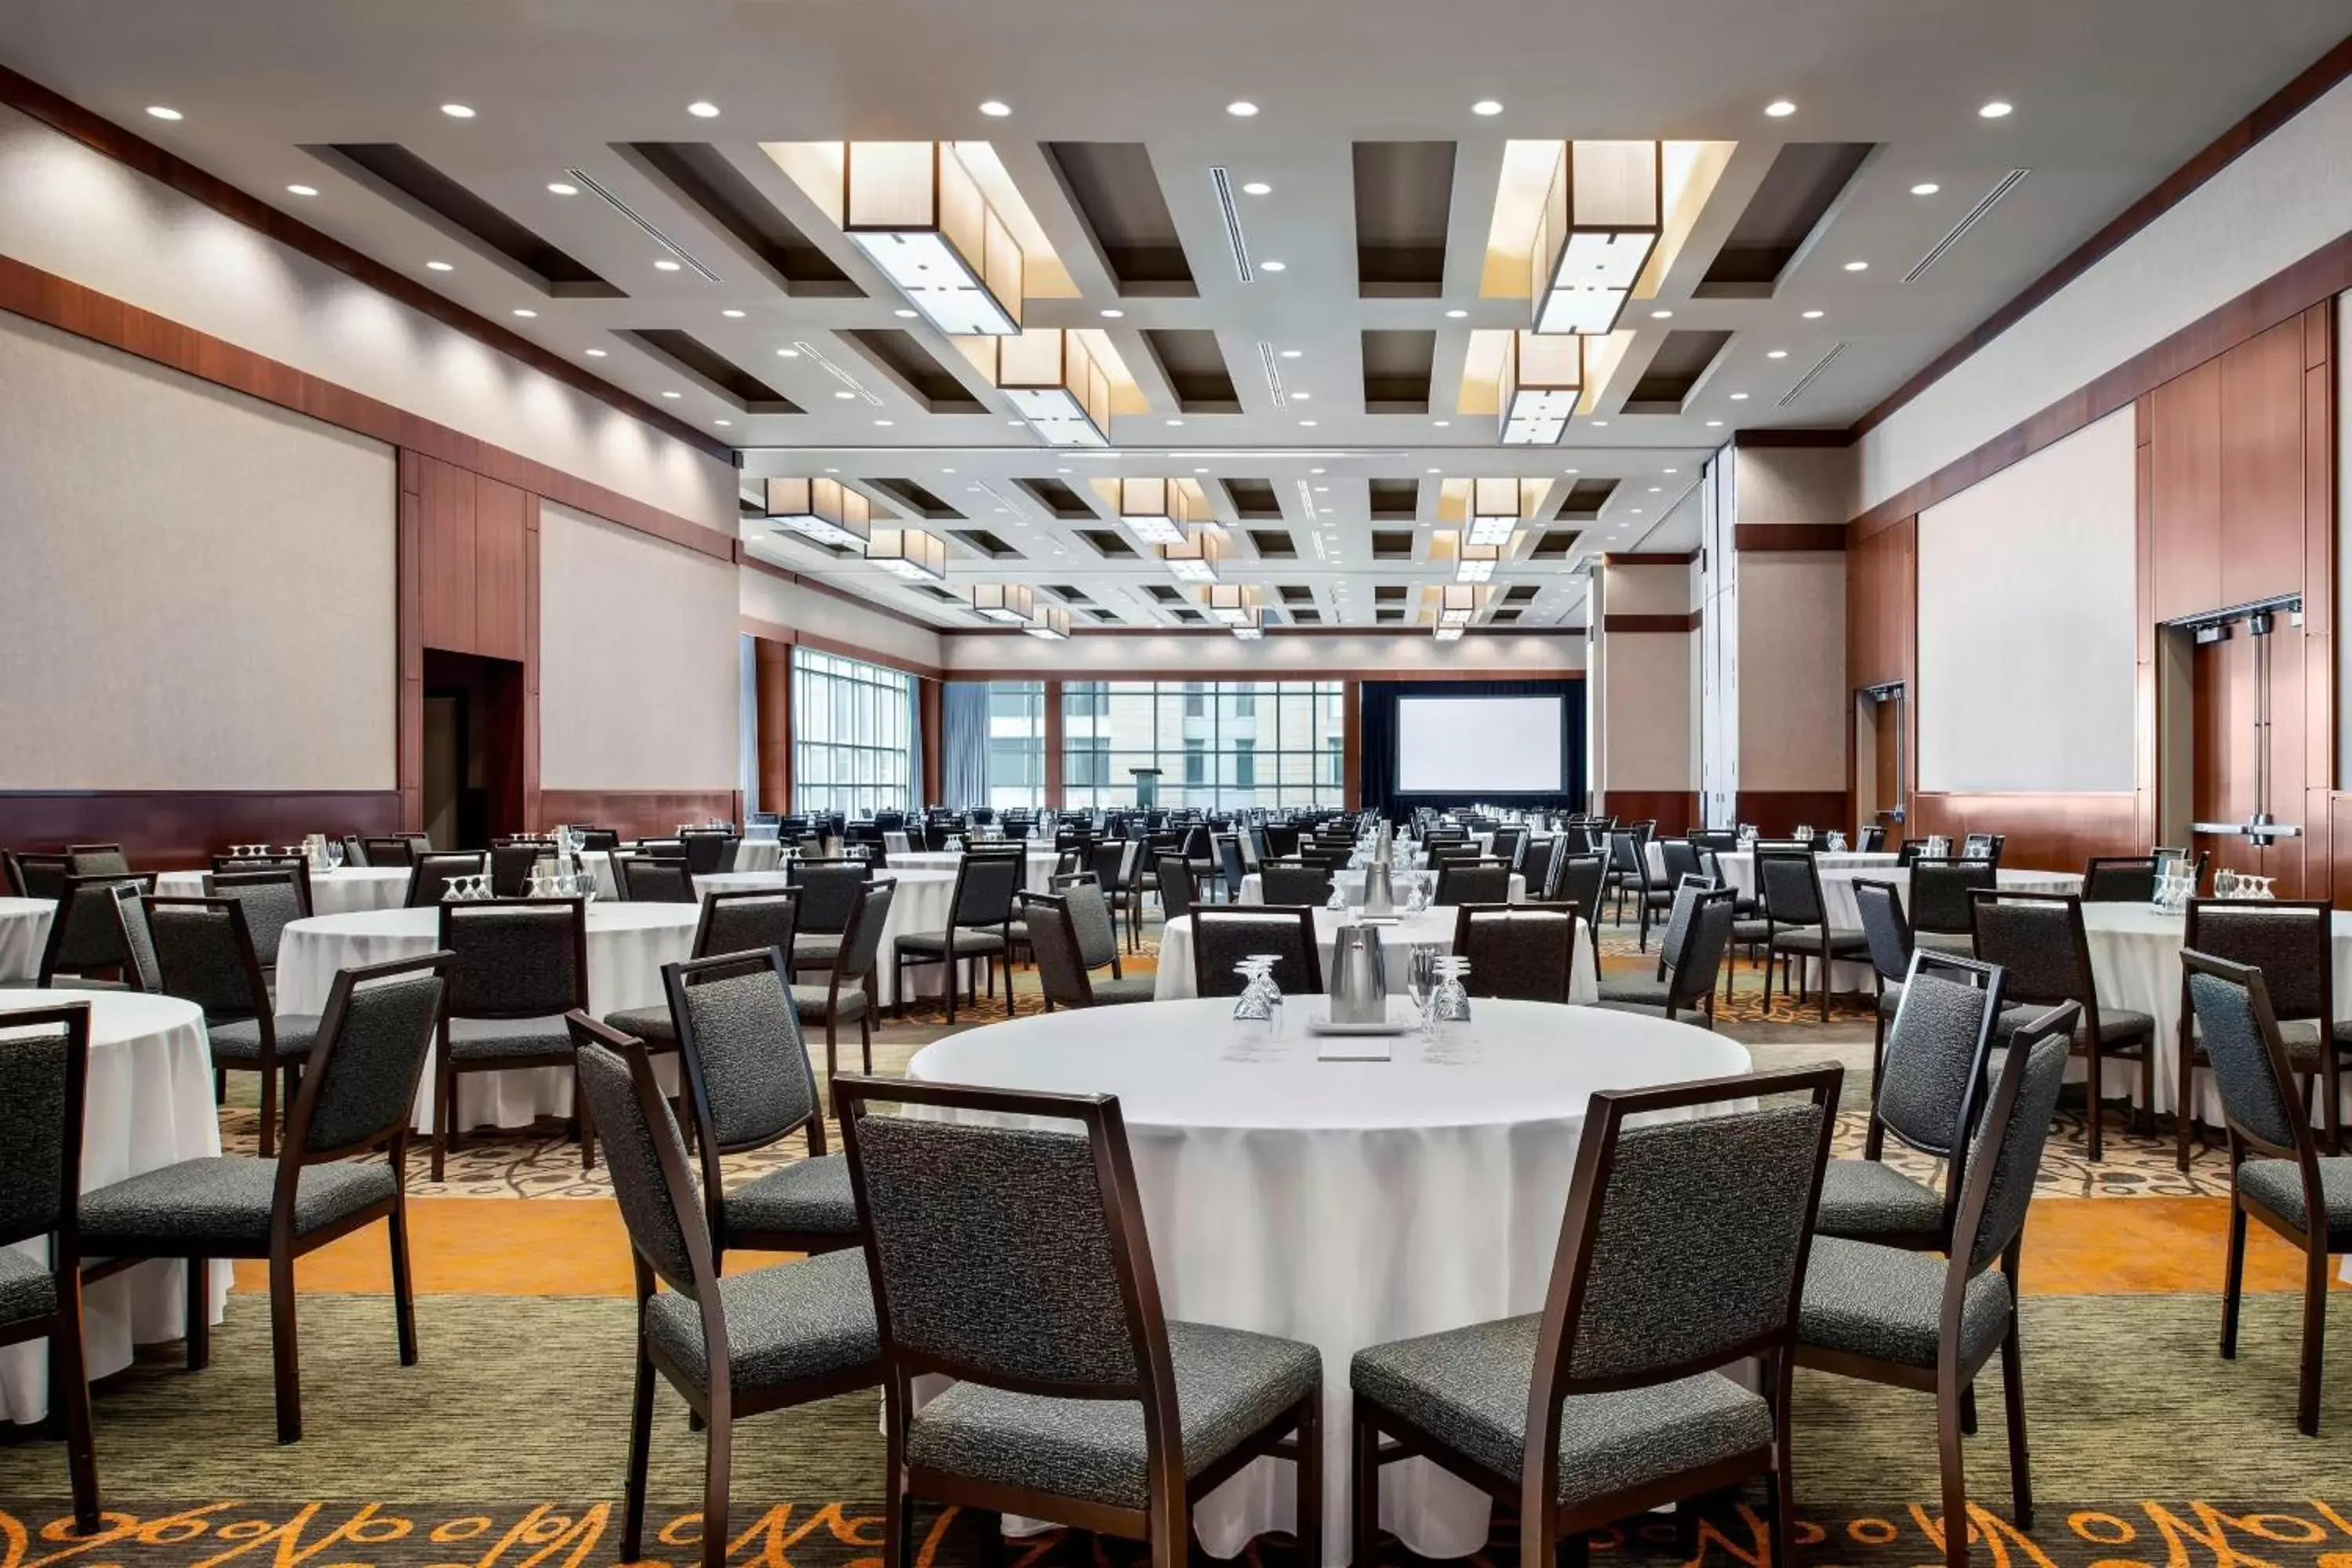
x=23, y=936
x=1037, y=870
x=758, y=854
x=1343, y=1204
x=1433, y=926
x=627, y=945
x=1739, y=866
x=348, y=889
x=1837, y=887
x=150, y=1103
x=1352, y=884
x=921, y=905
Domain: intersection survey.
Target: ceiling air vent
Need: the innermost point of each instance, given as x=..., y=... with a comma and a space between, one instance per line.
x=2007, y=184
x=590, y=182
x=1232, y=212
x=1797, y=391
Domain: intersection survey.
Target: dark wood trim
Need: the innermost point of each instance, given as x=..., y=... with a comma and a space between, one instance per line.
x=930, y=712
x=743, y=557
x=2324, y=274
x=1314, y=672
x=1778, y=812
x=136, y=153
x=1684, y=623
x=166, y=830
x=772, y=668
x=1272, y=634
x=1352, y=744
x=656, y=812
x=1683, y=559
x=69, y=307
x=1771, y=537
x=1057, y=737
x=1675, y=811
x=1752, y=440
x=2310, y=85
x=408, y=744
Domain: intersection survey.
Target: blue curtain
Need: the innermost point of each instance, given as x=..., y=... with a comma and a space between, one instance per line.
x=1378, y=769
x=963, y=743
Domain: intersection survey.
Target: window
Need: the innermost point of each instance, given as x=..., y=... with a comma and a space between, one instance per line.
x=1220, y=745
x=1016, y=744
x=852, y=735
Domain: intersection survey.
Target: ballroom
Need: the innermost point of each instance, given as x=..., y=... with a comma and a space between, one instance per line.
x=913, y=785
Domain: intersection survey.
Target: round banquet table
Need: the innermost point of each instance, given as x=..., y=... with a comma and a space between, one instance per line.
x=1037, y=870
x=627, y=945
x=1343, y=1204
x=346, y=890
x=920, y=904
x=1433, y=926
x=1351, y=883
x=23, y=936
x=150, y=1103
x=758, y=854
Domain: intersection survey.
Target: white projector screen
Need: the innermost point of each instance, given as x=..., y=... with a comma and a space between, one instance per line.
x=1479, y=746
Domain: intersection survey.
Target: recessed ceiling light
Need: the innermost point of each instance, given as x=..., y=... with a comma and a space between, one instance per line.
x=1996, y=109
x=1601, y=425
x=1315, y=471
x=703, y=108
x=1443, y=423
x=1061, y=470
x=1302, y=398
x=1016, y=424
x=595, y=353
x=996, y=108
x=882, y=422
x=732, y=315
x=1780, y=108
x=1670, y=471
x=1273, y=266
x=1487, y=106
x=301, y=190
x=1637, y=512
x=1195, y=470
x=1738, y=397
x=1291, y=354
x=1308, y=423
x=453, y=110
x=160, y=112
x=847, y=396
x=1776, y=354
x=665, y=265
x=1241, y=108
x=1926, y=188
x=788, y=353
x=1257, y=188
x=1322, y=489
x=1174, y=423
x=1114, y=315
x=722, y=424
x=1713, y=423
x=1571, y=470
x=1656, y=490
x=1812, y=315
x=526, y=315
x=1857, y=266
x=673, y=394
x=1430, y=470
x=1455, y=315
x=1662, y=315
x=556, y=187
x=904, y=315
x=833, y=470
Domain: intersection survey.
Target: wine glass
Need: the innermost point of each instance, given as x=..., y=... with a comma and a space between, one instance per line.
x=334, y=855
x=1421, y=977
x=2225, y=883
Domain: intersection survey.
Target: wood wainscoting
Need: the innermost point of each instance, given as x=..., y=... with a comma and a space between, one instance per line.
x=638, y=812
x=1675, y=811
x=174, y=830
x=2044, y=832
x=1776, y=813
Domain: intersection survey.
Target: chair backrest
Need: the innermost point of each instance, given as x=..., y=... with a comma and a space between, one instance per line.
x=2120, y=879
x=747, y=1068
x=984, y=886
x=1699, y=963
x=86, y=934
x=387, y=851
x=1729, y=1196
x=431, y=872
x=1525, y=952
x=1870, y=840
x=1792, y=885
x=1929, y=1084
x=1941, y=888
x=1884, y=926
x=1983, y=846
x=138, y=941
x=1090, y=917
x=358, y=1082
x=709, y=849
x=40, y=875
x=98, y=860
x=2006, y=1152
x=2287, y=939
x=516, y=960
x=1582, y=879
x=668, y=1232
x=204, y=953
x=1175, y=874
x=1224, y=937
x=511, y=864
x=861, y=944
x=830, y=891
x=1687, y=888
x=1681, y=858
x=746, y=922
x=1105, y=860
x=1009, y=1255
x=2260, y=1103
x=44, y=1072
x=1054, y=940
x=1482, y=882
x=1281, y=882
x=2037, y=940
x=273, y=900
x=354, y=851
x=646, y=880
x=1627, y=858
x=1231, y=863
x=296, y=865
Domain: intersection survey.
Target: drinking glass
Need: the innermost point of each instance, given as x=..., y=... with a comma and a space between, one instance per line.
x=2225, y=883
x=334, y=855
x=1421, y=977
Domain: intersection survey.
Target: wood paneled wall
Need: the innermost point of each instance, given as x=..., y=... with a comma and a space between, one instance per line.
x=773, y=672
x=638, y=811
x=1676, y=812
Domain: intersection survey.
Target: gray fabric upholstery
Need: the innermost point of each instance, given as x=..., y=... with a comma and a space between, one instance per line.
x=745, y=1033
x=239, y=1043
x=1645, y=990
x=2034, y=945
x=272, y=901
x=2277, y=1186
x=1224, y=937
x=984, y=887
x=828, y=892
x=1808, y=939
x=84, y=933
x=370, y=1074
x=1866, y=1199
x=1470, y=885
x=749, y=921
x=1054, y=946
x=1581, y=880
x=199, y=960
x=2287, y=942
x=1886, y=1303
x=1309, y=885
x=2015, y=1149
x=1791, y=884
x=1127, y=988
x=1229, y=1385
x=521, y=960
x=1470, y=1387
x=810, y=1319
x=966, y=943
x=1956, y=943
x=491, y=1039
x=34, y=1086
x=815, y=951
x=812, y=1003
x=810, y=1195
x=137, y=941
x=652, y=1025
x=2120, y=879
x=633, y=1148
x=1521, y=952
x=1934, y=1061
x=1939, y=898
x=2251, y=1094
x=27, y=1287
x=1097, y=932
x=2117, y=1025
x=224, y=1199
x=1884, y=927
x=646, y=880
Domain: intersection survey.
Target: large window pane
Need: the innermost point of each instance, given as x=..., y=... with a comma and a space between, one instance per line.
x=1220, y=745
x=852, y=727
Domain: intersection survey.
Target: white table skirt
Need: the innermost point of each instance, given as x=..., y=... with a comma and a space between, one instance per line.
x=922, y=904
x=347, y=890
x=627, y=945
x=1175, y=981
x=150, y=1103
x=1344, y=1204
x=23, y=936
x=1352, y=884
x=1037, y=868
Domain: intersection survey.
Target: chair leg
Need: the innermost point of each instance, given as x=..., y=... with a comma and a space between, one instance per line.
x=831, y=1057
x=1969, y=1410
x=2184, y=1102
x=403, y=1287
x=445, y=1106
x=2012, y=1396
x=2315, y=1334
x=2095, y=1088
x=2333, y=1109
x=69, y=1387
x=1950, y=1462
x=1874, y=1140
x=1825, y=981
x=865, y=1038
x=2233, y=1273
x=951, y=989
x=717, y=1458
x=268, y=1112
x=1309, y=1488
x=198, y=1329
x=641, y=1433
x=284, y=1348
x=1364, y=1498
x=586, y=1115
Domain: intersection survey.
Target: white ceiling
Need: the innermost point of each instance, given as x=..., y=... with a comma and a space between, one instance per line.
x=2109, y=95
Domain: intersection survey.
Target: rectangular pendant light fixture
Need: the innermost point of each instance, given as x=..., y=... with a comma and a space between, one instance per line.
x=1494, y=511
x=824, y=510
x=1229, y=605
x=1475, y=562
x=1052, y=624
x=1542, y=378
x=918, y=215
x=1011, y=604
x=909, y=553
x=1456, y=602
x=1601, y=221
x=1159, y=512
x=1055, y=384
x=1195, y=560
x=1251, y=629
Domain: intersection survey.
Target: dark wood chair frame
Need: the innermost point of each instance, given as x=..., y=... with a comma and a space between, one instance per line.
x=859, y=913
x=2327, y=1079
x=1306, y=917
x=267, y=1063
x=416, y=869
x=972, y=963
x=53, y=949
x=2091, y=1047
x=296, y=865
x=1790, y=958
x=1465, y=916
x=1985, y=977
x=445, y=1072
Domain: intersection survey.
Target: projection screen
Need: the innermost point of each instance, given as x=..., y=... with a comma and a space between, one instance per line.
x=1479, y=746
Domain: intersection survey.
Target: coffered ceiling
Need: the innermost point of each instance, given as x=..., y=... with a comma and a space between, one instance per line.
x=1332, y=407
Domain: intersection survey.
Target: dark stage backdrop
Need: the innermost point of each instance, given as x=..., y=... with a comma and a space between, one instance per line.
x=1378, y=781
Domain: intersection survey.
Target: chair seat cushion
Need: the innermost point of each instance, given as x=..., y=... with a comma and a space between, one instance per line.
x=1869, y=1199
x=1957, y=943
x=1229, y=1385
x=2117, y=1025
x=1886, y=1303
x=810, y=1319
x=1890, y=1000
x=1469, y=1388
x=810, y=1002
x=816, y=947
x=1750, y=930
x=652, y=1025
x=27, y=1289
x=1127, y=988
x=963, y=941
x=2277, y=1186
x=493, y=1039
x=222, y=1199
x=810, y=1195
x=1644, y=990
x=241, y=1041
x=1808, y=939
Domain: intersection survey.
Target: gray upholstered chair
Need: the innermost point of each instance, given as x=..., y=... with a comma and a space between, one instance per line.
x=515, y=969
x=2277, y=1175
x=749, y=1086
x=2045, y=959
x=1174, y=878
x=1689, y=957
x=1613, y=1399
x=710, y=850
x=2119, y=879
x=750, y=921
x=1231, y=864
x=2289, y=941
x=356, y=1099
x=140, y=972
x=295, y=866
x=431, y=872
x=1887, y=931
x=1014, y=1259
x=1580, y=879
x=98, y=860
x=1525, y=952
x=848, y=989
x=1473, y=882
x=44, y=1071
x=979, y=917
x=1061, y=951
x=830, y=891
x=739, y=1346
x=86, y=950
x=1222, y=938
x=205, y=953
x=1926, y=1089
x=1294, y=882
x=1919, y=1320
x=646, y=879
x=1799, y=922
x=273, y=898
x=1938, y=906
